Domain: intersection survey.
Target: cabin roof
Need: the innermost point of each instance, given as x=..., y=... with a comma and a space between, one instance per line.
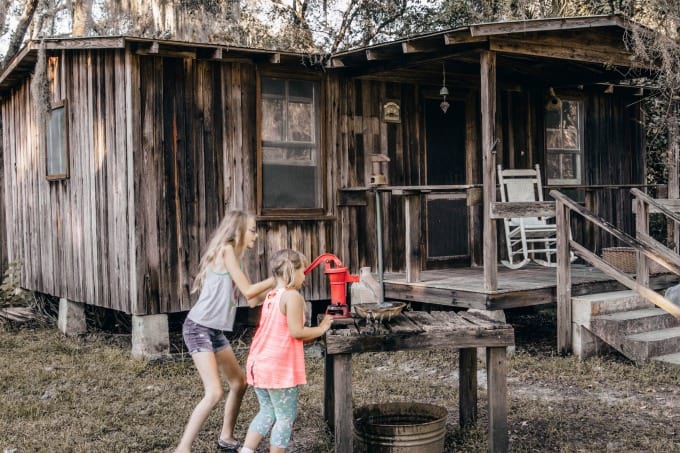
x=557, y=51
x=24, y=61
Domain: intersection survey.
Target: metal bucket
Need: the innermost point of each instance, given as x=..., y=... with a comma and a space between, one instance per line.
x=399, y=428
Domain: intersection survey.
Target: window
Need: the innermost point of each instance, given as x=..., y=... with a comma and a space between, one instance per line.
x=564, y=142
x=56, y=143
x=291, y=172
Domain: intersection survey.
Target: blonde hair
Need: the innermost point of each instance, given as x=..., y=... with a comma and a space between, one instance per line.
x=231, y=231
x=284, y=263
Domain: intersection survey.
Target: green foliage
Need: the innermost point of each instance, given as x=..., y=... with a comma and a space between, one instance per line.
x=10, y=292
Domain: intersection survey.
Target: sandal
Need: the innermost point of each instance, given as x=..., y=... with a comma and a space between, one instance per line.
x=228, y=447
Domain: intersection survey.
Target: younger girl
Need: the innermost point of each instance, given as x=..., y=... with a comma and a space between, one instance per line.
x=276, y=362
x=218, y=275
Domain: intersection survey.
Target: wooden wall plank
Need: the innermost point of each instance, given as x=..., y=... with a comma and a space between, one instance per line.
x=3, y=227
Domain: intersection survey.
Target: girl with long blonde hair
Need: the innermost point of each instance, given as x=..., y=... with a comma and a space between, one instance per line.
x=220, y=274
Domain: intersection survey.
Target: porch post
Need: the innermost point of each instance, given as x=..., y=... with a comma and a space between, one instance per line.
x=488, y=105
x=562, y=218
x=674, y=167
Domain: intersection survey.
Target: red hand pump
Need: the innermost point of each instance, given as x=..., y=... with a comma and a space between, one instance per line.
x=339, y=277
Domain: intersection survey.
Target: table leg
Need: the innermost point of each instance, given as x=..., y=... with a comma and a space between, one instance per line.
x=344, y=416
x=467, y=387
x=328, y=391
x=496, y=375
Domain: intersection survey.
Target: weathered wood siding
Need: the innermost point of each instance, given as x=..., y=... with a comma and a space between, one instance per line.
x=72, y=236
x=614, y=154
x=3, y=230
x=160, y=149
x=197, y=160
x=360, y=133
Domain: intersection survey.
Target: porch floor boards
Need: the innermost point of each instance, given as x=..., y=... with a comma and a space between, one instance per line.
x=530, y=285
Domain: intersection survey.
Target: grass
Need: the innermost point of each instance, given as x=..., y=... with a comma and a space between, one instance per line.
x=86, y=394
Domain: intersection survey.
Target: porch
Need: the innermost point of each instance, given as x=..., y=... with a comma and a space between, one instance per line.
x=531, y=285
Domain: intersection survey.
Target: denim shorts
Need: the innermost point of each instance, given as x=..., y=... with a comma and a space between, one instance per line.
x=199, y=338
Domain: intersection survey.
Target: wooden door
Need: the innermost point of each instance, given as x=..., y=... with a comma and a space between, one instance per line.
x=447, y=219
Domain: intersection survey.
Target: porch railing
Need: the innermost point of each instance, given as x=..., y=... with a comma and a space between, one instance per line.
x=643, y=205
x=645, y=249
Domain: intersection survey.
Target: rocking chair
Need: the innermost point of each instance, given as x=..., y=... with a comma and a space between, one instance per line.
x=527, y=238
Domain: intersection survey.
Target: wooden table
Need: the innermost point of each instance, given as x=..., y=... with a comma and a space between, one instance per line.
x=421, y=330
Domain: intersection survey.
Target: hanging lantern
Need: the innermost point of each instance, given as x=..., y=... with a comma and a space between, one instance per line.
x=444, y=91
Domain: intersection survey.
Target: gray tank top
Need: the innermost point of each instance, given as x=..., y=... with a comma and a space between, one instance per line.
x=216, y=306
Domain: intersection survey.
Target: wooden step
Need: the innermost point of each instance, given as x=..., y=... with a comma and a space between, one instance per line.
x=645, y=345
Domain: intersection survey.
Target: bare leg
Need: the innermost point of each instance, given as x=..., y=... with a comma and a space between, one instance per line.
x=206, y=364
x=230, y=368
x=253, y=439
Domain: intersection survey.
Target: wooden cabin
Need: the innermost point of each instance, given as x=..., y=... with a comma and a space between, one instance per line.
x=110, y=195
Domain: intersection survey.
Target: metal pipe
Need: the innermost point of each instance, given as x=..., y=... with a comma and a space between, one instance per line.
x=378, y=220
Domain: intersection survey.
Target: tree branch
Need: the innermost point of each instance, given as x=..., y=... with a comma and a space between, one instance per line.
x=18, y=35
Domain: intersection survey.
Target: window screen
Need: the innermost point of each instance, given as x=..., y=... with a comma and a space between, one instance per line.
x=564, y=138
x=56, y=143
x=291, y=170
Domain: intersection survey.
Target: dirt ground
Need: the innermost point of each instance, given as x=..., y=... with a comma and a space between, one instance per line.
x=86, y=394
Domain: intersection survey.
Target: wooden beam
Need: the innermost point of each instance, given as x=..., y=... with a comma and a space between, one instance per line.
x=508, y=210
x=159, y=51
x=335, y=63
x=458, y=37
x=379, y=54
x=526, y=26
x=564, y=51
x=419, y=46
x=85, y=43
x=488, y=107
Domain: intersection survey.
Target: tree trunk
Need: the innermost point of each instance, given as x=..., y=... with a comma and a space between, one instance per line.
x=82, y=18
x=20, y=32
x=4, y=6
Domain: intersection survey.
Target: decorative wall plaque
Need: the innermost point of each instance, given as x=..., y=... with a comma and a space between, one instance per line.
x=391, y=111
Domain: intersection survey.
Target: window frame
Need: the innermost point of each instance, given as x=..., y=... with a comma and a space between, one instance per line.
x=61, y=104
x=562, y=151
x=291, y=213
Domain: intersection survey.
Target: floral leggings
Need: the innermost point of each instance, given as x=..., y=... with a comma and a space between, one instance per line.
x=278, y=407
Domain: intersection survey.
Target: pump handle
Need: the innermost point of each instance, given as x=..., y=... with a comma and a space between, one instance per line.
x=324, y=258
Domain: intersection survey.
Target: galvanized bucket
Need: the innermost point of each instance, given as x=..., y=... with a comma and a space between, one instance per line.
x=399, y=428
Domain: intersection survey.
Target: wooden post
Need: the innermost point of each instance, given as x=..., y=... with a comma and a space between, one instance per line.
x=674, y=167
x=328, y=391
x=344, y=416
x=642, y=230
x=496, y=372
x=412, y=205
x=563, y=280
x=467, y=387
x=591, y=233
x=488, y=106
